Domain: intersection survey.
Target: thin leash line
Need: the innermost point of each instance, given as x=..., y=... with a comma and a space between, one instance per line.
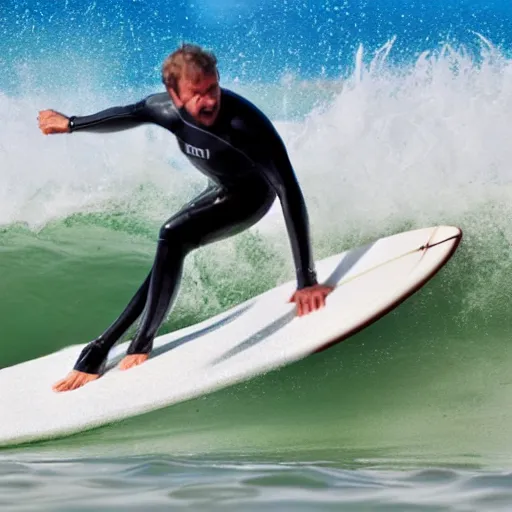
x=423, y=247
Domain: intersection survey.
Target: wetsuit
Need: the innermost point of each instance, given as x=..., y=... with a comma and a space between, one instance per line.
x=247, y=165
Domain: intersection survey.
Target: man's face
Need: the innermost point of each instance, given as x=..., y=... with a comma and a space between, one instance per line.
x=200, y=96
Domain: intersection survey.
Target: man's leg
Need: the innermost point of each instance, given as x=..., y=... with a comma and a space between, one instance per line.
x=225, y=215
x=214, y=215
x=94, y=355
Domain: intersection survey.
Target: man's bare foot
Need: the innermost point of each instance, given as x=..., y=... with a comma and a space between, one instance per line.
x=74, y=380
x=132, y=360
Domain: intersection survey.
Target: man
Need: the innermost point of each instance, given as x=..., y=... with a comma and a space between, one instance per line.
x=238, y=149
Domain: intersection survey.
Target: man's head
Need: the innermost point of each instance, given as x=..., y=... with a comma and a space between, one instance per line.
x=191, y=78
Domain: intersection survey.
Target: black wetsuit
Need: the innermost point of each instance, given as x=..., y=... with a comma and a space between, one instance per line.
x=247, y=165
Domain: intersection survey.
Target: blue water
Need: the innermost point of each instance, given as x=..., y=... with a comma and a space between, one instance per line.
x=124, y=43
x=396, y=115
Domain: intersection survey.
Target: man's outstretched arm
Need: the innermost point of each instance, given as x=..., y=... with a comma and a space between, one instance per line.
x=113, y=119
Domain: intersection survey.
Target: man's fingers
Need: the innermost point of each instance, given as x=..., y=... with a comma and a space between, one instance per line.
x=320, y=301
x=306, y=306
x=299, y=307
x=51, y=122
x=310, y=299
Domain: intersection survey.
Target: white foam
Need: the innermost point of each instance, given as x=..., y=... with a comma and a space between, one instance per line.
x=375, y=154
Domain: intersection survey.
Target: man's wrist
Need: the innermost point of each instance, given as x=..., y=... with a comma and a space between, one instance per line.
x=306, y=279
x=71, y=123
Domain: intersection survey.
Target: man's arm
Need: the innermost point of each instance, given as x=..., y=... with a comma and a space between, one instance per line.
x=111, y=120
x=278, y=170
x=156, y=108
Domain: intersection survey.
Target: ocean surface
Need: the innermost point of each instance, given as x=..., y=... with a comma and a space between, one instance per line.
x=396, y=116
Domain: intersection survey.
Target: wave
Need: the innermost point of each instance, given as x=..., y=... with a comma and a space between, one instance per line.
x=387, y=149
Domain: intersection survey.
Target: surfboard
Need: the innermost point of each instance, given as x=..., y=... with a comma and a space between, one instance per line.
x=254, y=337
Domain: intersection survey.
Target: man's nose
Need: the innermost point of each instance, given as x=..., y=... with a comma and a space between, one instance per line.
x=209, y=103
x=210, y=100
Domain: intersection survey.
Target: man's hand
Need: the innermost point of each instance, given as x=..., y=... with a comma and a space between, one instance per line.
x=52, y=122
x=74, y=380
x=311, y=298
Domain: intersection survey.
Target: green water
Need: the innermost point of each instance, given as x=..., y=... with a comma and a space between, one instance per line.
x=417, y=402
x=428, y=382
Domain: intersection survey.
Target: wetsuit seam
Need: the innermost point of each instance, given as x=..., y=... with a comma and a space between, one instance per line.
x=99, y=121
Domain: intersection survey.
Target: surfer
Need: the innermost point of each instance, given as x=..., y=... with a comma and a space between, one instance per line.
x=236, y=146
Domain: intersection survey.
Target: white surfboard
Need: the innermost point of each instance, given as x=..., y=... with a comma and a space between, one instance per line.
x=256, y=336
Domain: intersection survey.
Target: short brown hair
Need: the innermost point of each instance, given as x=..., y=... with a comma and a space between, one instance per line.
x=191, y=59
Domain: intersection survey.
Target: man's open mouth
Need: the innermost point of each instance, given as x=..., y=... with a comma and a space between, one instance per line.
x=208, y=112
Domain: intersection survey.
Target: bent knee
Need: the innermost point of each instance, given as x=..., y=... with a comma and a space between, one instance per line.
x=165, y=232
x=177, y=237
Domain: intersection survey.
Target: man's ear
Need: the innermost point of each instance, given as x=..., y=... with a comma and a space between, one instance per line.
x=174, y=96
